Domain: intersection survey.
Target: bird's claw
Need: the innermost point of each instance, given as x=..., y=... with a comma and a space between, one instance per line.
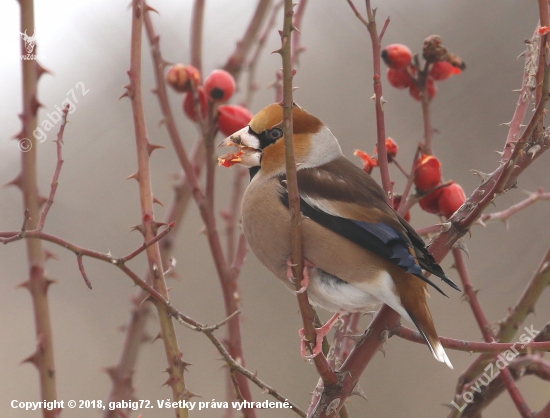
x=305, y=273
x=320, y=333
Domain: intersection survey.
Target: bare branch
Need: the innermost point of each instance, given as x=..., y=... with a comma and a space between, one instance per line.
x=55, y=178
x=293, y=195
x=237, y=59
x=196, y=34
x=472, y=346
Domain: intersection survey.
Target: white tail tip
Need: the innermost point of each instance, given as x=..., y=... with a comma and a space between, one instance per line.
x=440, y=355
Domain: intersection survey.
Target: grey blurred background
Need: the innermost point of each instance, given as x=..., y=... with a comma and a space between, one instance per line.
x=88, y=42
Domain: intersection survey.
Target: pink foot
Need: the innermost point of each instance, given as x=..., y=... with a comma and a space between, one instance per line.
x=320, y=334
x=305, y=273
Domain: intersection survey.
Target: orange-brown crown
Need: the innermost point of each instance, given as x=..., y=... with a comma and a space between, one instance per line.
x=272, y=115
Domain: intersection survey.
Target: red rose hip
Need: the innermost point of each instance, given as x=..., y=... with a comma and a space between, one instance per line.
x=397, y=56
x=391, y=149
x=450, y=199
x=368, y=162
x=189, y=105
x=427, y=174
x=219, y=86
x=233, y=118
x=179, y=77
x=442, y=70
x=431, y=89
x=429, y=203
x=400, y=79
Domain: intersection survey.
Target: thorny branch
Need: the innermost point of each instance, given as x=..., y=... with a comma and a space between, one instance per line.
x=237, y=59
x=504, y=215
x=293, y=196
x=251, y=86
x=376, y=41
x=205, y=202
x=523, y=364
x=459, y=224
x=509, y=325
x=27, y=181
x=485, y=327
x=148, y=226
x=471, y=346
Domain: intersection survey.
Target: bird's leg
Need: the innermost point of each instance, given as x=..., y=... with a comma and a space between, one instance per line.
x=305, y=273
x=320, y=334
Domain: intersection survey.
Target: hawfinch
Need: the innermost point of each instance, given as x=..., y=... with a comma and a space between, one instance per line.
x=359, y=252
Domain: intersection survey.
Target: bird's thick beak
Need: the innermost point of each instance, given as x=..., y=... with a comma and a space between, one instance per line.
x=248, y=154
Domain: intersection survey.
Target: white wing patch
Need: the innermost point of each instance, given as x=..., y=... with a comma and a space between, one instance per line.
x=324, y=205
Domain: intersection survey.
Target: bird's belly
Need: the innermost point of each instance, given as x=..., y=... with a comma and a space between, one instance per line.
x=346, y=277
x=335, y=295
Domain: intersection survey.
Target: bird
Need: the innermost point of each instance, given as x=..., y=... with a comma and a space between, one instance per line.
x=359, y=252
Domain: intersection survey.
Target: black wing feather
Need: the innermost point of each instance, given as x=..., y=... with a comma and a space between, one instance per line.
x=380, y=239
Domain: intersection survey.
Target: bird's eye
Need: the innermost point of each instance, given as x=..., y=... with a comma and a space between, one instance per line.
x=274, y=134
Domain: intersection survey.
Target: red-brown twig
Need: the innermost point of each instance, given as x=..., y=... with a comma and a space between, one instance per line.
x=135, y=335
x=521, y=364
x=147, y=244
x=339, y=350
x=236, y=60
x=195, y=35
x=10, y=236
x=459, y=224
x=232, y=245
x=231, y=215
x=293, y=195
x=542, y=61
x=525, y=95
x=376, y=41
x=205, y=204
x=427, y=121
x=470, y=294
x=406, y=202
x=81, y=252
x=485, y=327
x=502, y=179
x=37, y=284
x=297, y=48
x=148, y=226
x=510, y=325
x=526, y=303
x=251, y=85
x=55, y=178
x=472, y=346
x=504, y=215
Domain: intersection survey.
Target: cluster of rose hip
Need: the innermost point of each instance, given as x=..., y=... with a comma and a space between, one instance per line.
x=404, y=70
x=435, y=196
x=218, y=88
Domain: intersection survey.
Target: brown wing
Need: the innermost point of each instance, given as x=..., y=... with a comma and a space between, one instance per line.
x=342, y=197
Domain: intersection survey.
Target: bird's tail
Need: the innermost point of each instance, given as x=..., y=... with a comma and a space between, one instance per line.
x=422, y=318
x=413, y=301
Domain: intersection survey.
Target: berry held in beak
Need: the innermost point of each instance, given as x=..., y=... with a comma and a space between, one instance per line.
x=248, y=155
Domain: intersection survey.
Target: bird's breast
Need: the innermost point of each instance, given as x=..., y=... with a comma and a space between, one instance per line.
x=266, y=225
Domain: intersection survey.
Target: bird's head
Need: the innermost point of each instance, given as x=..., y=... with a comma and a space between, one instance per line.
x=261, y=142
